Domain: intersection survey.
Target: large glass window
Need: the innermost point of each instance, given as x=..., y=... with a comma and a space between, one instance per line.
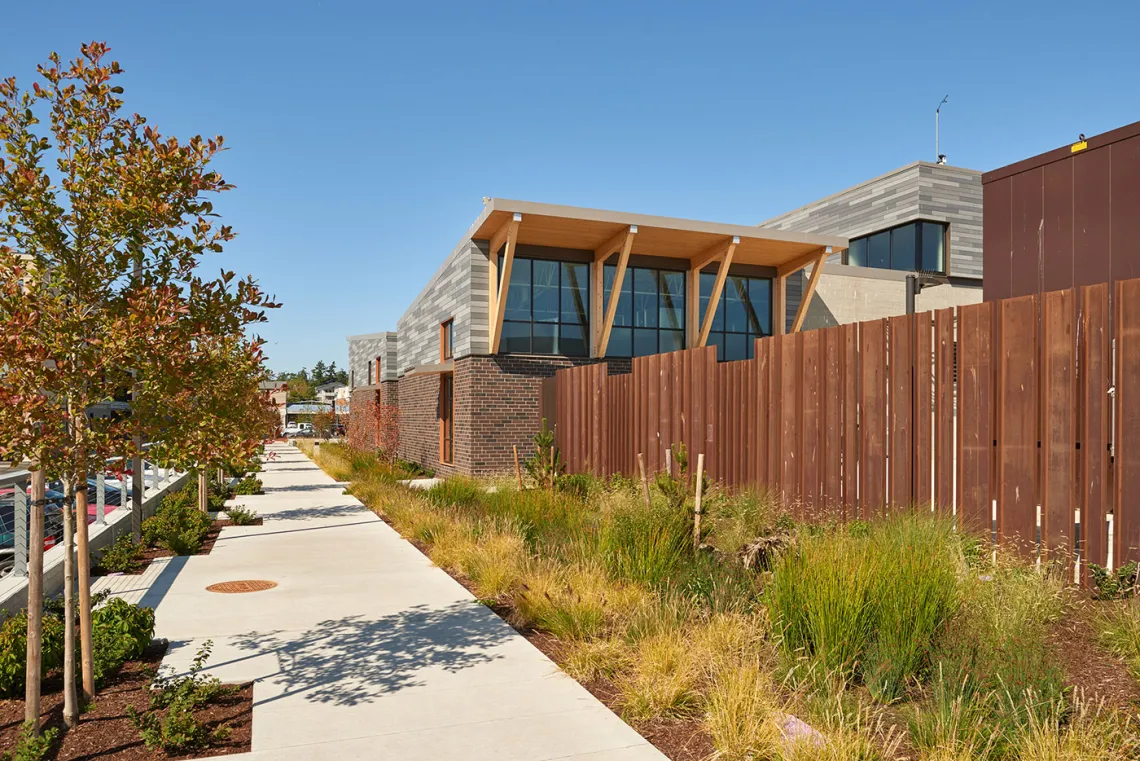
x=650, y=316
x=915, y=246
x=548, y=308
x=743, y=314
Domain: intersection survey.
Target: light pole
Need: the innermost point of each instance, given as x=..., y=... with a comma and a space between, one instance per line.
x=937, y=113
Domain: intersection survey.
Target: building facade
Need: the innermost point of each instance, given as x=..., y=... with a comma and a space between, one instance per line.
x=533, y=288
x=922, y=217
x=1065, y=218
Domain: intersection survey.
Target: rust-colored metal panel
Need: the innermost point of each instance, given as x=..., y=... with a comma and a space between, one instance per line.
x=873, y=431
x=810, y=478
x=1057, y=253
x=760, y=440
x=1092, y=214
x=975, y=418
x=653, y=454
x=1126, y=504
x=850, y=368
x=1025, y=261
x=1125, y=190
x=900, y=401
x=1017, y=493
x=775, y=446
x=923, y=456
x=1059, y=427
x=831, y=439
x=1094, y=379
x=997, y=239
x=944, y=410
x=789, y=420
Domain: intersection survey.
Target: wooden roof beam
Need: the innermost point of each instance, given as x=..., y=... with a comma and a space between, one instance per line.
x=614, y=244
x=712, y=254
x=805, y=300
x=797, y=264
x=500, y=282
x=615, y=291
x=718, y=287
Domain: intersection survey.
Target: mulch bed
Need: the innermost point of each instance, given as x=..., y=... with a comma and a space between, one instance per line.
x=157, y=552
x=1088, y=667
x=106, y=733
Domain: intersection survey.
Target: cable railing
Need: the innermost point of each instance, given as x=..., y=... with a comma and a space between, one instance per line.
x=108, y=489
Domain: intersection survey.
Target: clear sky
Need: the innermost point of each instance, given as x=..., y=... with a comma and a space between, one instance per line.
x=364, y=135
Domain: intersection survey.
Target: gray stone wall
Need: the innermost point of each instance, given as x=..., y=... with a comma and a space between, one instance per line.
x=366, y=348
x=917, y=191
x=457, y=291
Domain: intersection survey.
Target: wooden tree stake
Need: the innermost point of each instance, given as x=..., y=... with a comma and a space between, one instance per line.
x=70, y=707
x=669, y=461
x=644, y=479
x=553, y=471
x=83, y=550
x=697, y=503
x=203, y=491
x=518, y=470
x=35, y=602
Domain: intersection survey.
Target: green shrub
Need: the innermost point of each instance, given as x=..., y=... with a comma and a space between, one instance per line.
x=169, y=723
x=454, y=491
x=124, y=556
x=14, y=650
x=120, y=631
x=31, y=746
x=240, y=515
x=248, y=485
x=178, y=525
x=1116, y=585
x=546, y=462
x=581, y=485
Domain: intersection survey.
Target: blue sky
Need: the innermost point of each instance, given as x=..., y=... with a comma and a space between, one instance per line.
x=364, y=135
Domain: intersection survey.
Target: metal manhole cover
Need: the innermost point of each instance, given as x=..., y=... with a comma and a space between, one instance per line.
x=238, y=587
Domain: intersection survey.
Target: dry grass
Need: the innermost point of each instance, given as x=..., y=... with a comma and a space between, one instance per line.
x=1085, y=732
x=742, y=715
x=663, y=679
x=573, y=602
x=1119, y=627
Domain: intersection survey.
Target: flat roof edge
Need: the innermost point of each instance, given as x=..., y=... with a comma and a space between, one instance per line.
x=1063, y=152
x=363, y=336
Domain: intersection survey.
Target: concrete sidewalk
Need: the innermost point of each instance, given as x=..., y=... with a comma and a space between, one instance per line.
x=365, y=650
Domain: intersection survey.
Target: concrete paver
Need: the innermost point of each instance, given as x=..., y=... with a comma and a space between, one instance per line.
x=365, y=650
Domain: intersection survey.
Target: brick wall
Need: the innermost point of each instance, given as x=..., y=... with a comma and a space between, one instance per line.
x=364, y=418
x=419, y=422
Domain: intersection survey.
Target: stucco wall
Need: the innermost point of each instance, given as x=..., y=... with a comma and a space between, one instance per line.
x=854, y=294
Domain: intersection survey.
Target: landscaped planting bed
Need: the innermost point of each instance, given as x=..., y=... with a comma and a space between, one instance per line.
x=890, y=639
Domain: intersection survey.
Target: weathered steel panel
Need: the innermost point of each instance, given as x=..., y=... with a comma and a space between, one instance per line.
x=1017, y=422
x=789, y=420
x=1057, y=253
x=1059, y=427
x=1125, y=191
x=831, y=440
x=900, y=400
x=1092, y=214
x=975, y=423
x=1025, y=251
x=997, y=239
x=873, y=429
x=1094, y=380
x=1126, y=505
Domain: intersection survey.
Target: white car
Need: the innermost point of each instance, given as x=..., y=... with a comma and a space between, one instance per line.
x=298, y=429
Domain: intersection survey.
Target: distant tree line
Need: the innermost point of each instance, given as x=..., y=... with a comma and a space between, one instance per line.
x=303, y=383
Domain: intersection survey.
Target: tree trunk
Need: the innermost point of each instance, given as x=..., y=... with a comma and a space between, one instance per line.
x=35, y=602
x=203, y=491
x=70, y=710
x=87, y=655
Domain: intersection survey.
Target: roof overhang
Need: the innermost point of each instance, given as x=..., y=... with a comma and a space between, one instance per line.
x=589, y=229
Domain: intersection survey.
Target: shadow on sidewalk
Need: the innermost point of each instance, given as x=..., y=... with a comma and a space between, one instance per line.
x=352, y=660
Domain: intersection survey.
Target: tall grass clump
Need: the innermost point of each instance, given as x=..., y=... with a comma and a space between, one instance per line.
x=869, y=603
x=459, y=492
x=1078, y=732
x=1119, y=628
x=644, y=545
x=742, y=716
x=573, y=602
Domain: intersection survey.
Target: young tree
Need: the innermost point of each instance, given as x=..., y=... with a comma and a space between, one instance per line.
x=320, y=373
x=97, y=262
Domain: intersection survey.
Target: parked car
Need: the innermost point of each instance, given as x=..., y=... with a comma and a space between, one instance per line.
x=298, y=429
x=53, y=524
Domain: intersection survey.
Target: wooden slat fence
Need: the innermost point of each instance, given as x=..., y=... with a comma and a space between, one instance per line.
x=1021, y=417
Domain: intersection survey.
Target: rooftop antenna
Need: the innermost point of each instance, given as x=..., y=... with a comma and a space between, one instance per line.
x=937, y=113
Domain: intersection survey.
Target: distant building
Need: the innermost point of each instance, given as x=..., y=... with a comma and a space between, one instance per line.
x=922, y=217
x=276, y=392
x=326, y=392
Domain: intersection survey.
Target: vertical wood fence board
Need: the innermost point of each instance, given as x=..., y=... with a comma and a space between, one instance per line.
x=760, y=401
x=851, y=365
x=1059, y=432
x=900, y=432
x=1094, y=381
x=944, y=410
x=873, y=421
x=923, y=454
x=789, y=433
x=1017, y=422
x=832, y=438
x=810, y=423
x=1126, y=505
x=975, y=429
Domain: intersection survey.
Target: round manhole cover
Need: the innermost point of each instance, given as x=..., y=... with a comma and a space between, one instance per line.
x=238, y=587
